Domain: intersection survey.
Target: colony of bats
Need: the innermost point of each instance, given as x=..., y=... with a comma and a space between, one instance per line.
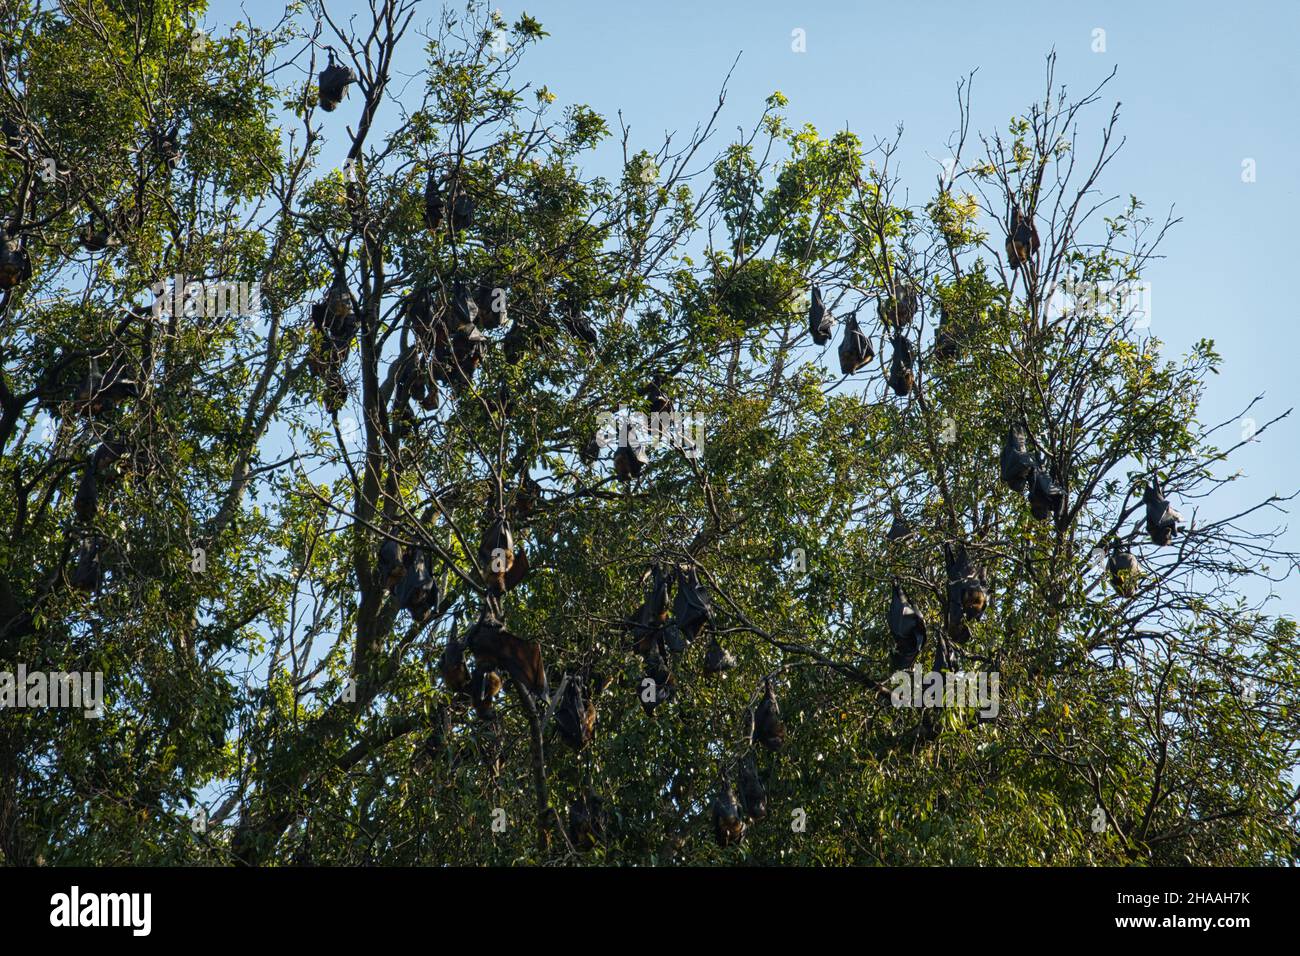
x=447, y=326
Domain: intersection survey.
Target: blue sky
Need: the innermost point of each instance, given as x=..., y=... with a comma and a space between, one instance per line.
x=1204, y=87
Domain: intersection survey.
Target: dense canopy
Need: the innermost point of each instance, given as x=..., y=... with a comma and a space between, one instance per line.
x=425, y=498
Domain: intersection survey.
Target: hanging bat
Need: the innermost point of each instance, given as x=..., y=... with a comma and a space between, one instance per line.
x=967, y=596
x=167, y=146
x=1124, y=570
x=1046, y=496
x=947, y=346
x=105, y=457
x=422, y=389
x=1022, y=239
x=652, y=615
x=495, y=647
x=578, y=325
x=728, y=825
x=658, y=673
x=13, y=133
x=92, y=239
x=519, y=569
x=899, y=308
x=464, y=309
x=90, y=386
x=660, y=403
x=629, y=461
x=590, y=452
x=753, y=795
x=855, y=348
x=390, y=564
x=418, y=591
x=462, y=210
x=575, y=718
x=432, y=203
x=674, y=639
x=116, y=386
x=901, y=378
x=467, y=348
x=484, y=685
x=491, y=300
x=588, y=820
x=15, y=264
x=908, y=628
x=820, y=322
x=716, y=659
x=1163, y=522
x=89, y=572
x=86, y=502
x=496, y=555
x=901, y=527
x=420, y=315
x=691, y=607
x=1016, y=463
x=333, y=82
x=527, y=497
x=769, y=729
x=451, y=665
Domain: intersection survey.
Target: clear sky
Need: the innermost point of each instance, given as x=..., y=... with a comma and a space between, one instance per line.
x=1204, y=87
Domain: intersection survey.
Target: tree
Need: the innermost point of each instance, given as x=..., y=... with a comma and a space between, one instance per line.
x=304, y=515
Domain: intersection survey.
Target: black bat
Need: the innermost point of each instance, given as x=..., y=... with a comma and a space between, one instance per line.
x=89, y=572
x=92, y=239
x=901, y=378
x=86, y=501
x=652, y=615
x=660, y=403
x=967, y=596
x=1046, y=496
x=728, y=824
x=468, y=346
x=167, y=145
x=753, y=795
x=717, y=660
x=629, y=461
x=588, y=820
x=947, y=345
x=1022, y=239
x=579, y=326
x=484, y=685
x=462, y=210
x=491, y=300
x=464, y=309
x=657, y=672
x=1163, y=522
x=820, y=322
x=418, y=591
x=390, y=564
x=495, y=647
x=575, y=717
x=855, y=348
x=769, y=729
x=1124, y=570
x=908, y=628
x=333, y=81
x=899, y=308
x=451, y=665
x=1016, y=463
x=15, y=264
x=496, y=555
x=691, y=607
x=432, y=203
x=901, y=527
